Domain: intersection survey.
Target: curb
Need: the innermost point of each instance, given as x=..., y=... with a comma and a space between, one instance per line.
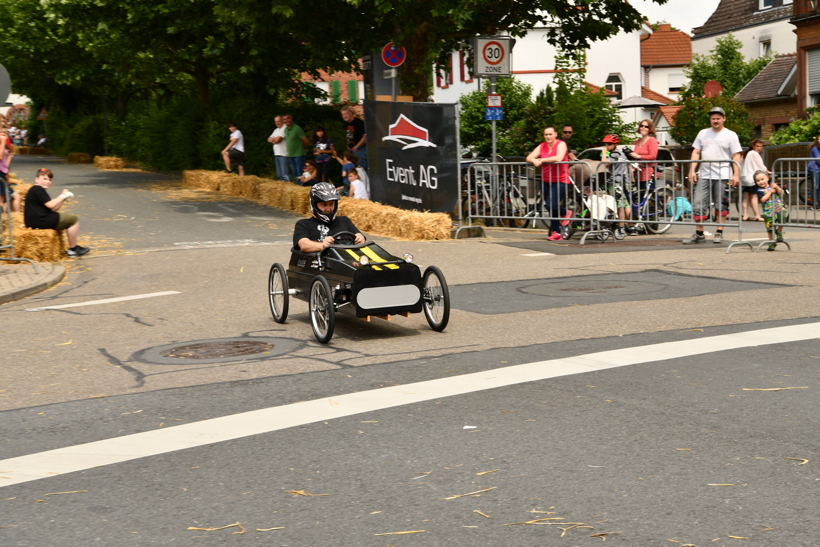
x=56, y=275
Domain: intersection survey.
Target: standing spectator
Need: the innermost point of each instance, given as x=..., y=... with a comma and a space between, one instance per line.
x=41, y=212
x=356, y=137
x=646, y=149
x=719, y=146
x=297, y=144
x=555, y=178
x=323, y=151
x=5, y=161
x=23, y=136
x=280, y=149
x=814, y=168
x=566, y=136
x=235, y=150
x=752, y=163
x=12, y=132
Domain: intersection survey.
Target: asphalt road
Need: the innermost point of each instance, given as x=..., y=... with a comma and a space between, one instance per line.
x=379, y=428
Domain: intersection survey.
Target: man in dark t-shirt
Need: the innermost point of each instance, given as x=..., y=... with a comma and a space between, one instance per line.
x=356, y=137
x=313, y=235
x=41, y=212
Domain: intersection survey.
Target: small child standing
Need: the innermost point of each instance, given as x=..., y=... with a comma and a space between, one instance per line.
x=770, y=196
x=619, y=169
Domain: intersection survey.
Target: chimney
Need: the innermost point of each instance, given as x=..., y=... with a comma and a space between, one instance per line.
x=664, y=27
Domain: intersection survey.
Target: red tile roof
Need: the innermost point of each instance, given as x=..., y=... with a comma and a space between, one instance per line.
x=666, y=47
x=669, y=112
x=647, y=93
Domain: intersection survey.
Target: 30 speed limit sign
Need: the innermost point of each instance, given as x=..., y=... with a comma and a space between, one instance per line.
x=492, y=56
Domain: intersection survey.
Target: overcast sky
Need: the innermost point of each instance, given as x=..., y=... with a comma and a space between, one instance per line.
x=682, y=14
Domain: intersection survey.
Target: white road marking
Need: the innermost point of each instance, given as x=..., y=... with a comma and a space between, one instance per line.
x=104, y=301
x=161, y=441
x=539, y=254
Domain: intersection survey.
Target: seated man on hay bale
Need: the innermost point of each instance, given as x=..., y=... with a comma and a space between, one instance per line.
x=312, y=235
x=41, y=212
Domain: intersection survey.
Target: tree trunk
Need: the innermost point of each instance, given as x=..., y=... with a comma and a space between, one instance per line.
x=203, y=84
x=416, y=70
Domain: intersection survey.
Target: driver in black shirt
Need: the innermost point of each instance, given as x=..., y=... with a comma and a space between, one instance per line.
x=313, y=235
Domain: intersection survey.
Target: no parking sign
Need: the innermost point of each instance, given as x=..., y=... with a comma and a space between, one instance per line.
x=393, y=56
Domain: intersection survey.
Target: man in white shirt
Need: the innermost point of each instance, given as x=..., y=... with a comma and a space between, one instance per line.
x=719, y=146
x=280, y=149
x=235, y=151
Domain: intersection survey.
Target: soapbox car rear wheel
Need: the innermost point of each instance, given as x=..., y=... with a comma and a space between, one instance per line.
x=436, y=299
x=278, y=292
x=322, y=309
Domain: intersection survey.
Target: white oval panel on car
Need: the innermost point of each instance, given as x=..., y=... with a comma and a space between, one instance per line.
x=388, y=297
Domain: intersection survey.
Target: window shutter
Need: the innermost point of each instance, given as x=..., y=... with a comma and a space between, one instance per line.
x=813, y=69
x=336, y=91
x=352, y=91
x=461, y=71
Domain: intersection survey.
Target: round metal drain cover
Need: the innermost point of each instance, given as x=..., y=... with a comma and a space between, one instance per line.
x=211, y=350
x=217, y=350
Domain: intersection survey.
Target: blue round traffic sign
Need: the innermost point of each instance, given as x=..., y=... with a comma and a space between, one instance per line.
x=393, y=56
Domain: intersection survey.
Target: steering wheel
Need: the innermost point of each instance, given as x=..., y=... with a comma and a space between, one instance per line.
x=350, y=236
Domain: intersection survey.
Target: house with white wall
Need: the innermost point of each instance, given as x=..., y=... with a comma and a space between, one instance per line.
x=763, y=26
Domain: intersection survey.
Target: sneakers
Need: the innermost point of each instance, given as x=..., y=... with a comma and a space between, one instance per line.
x=227, y=172
x=772, y=247
x=567, y=216
x=632, y=231
x=620, y=233
x=779, y=238
x=694, y=239
x=76, y=251
x=556, y=236
x=718, y=237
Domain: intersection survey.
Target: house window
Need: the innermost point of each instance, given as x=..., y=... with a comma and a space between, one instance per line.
x=758, y=132
x=813, y=76
x=766, y=4
x=765, y=48
x=615, y=83
x=675, y=82
x=324, y=88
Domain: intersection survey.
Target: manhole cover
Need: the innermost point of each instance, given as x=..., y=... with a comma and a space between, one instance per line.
x=211, y=350
x=217, y=350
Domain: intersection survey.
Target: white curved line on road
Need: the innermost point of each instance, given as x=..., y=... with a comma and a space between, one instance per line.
x=151, y=443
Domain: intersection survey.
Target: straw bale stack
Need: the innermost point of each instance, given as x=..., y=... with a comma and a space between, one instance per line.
x=78, y=157
x=37, y=245
x=31, y=151
x=110, y=163
x=366, y=215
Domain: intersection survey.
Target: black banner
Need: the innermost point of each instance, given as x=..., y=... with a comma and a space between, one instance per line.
x=413, y=155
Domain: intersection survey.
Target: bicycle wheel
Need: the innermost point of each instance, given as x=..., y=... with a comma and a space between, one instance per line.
x=436, y=299
x=653, y=213
x=322, y=309
x=278, y=292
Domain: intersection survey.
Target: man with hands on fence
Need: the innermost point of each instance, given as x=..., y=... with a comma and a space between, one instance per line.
x=719, y=146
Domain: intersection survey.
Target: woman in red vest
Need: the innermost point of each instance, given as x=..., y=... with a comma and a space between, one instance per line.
x=554, y=177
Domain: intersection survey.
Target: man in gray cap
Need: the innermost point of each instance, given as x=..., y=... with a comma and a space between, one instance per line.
x=719, y=146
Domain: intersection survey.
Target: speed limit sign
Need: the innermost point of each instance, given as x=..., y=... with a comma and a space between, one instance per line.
x=492, y=56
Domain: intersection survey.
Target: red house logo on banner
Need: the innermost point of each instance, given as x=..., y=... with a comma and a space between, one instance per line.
x=410, y=134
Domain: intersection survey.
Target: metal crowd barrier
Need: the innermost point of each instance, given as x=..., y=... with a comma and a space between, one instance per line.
x=800, y=197
x=511, y=194
x=7, y=244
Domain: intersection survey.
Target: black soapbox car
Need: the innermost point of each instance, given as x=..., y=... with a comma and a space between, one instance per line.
x=360, y=280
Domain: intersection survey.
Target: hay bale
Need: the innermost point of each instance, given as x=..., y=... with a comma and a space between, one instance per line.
x=109, y=163
x=37, y=245
x=78, y=157
x=30, y=151
x=366, y=215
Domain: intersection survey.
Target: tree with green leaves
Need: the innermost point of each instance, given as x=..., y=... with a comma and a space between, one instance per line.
x=724, y=64
x=694, y=116
x=476, y=132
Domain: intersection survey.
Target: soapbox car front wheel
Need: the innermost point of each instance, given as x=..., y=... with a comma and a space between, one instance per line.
x=436, y=299
x=278, y=292
x=322, y=309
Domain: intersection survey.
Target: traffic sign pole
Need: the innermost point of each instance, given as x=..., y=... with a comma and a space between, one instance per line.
x=492, y=90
